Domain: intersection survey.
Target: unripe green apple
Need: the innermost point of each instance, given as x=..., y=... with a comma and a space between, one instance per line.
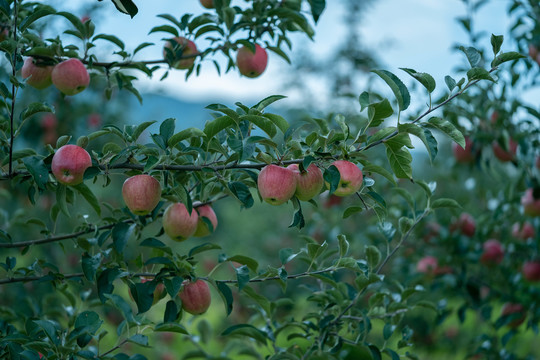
x=309, y=182
x=209, y=4
x=178, y=223
x=531, y=205
x=205, y=211
x=493, y=252
x=505, y=155
x=512, y=308
x=141, y=194
x=251, y=64
x=276, y=184
x=186, y=46
x=70, y=76
x=69, y=164
x=195, y=297
x=36, y=76
x=351, y=178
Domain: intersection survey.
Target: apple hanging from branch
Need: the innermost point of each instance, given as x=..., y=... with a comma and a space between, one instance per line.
x=70, y=76
x=205, y=212
x=178, y=223
x=309, y=182
x=141, y=194
x=251, y=64
x=195, y=297
x=37, y=76
x=276, y=184
x=69, y=164
x=180, y=46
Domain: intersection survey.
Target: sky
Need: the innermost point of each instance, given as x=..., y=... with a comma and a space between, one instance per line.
x=416, y=34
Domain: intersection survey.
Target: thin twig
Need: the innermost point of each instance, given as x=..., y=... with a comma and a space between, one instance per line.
x=13, y=89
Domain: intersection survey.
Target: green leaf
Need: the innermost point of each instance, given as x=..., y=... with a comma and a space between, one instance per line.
x=34, y=108
x=317, y=8
x=450, y=82
x=121, y=233
x=126, y=7
x=35, y=15
x=89, y=197
x=332, y=177
x=286, y=255
x=171, y=327
x=139, y=130
x=61, y=199
x=388, y=330
x=496, y=43
x=447, y=128
x=400, y=159
x=39, y=171
x=212, y=128
x=166, y=129
x=244, y=260
x=202, y=248
x=183, y=135
x=373, y=256
x=242, y=275
x=445, y=203
x=261, y=105
x=20, y=154
x=226, y=295
x=473, y=55
x=110, y=38
x=507, y=56
x=352, y=210
x=398, y=88
x=379, y=111
x=423, y=134
x=246, y=330
x=372, y=168
x=262, y=122
x=242, y=193
x=171, y=312
x=90, y=265
x=139, y=339
x=343, y=245
x=479, y=74
x=279, y=121
x=105, y=282
x=423, y=78
x=405, y=224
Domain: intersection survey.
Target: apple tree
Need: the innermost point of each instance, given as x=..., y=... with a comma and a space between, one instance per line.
x=110, y=236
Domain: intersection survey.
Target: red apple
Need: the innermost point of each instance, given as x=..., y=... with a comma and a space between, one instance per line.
x=531, y=205
x=94, y=120
x=537, y=162
x=351, y=178
x=205, y=211
x=251, y=64
x=493, y=252
x=494, y=117
x=276, y=184
x=466, y=224
x=178, y=223
x=524, y=231
x=432, y=230
x=70, y=76
x=37, y=76
x=180, y=46
x=141, y=194
x=505, y=155
x=533, y=52
x=331, y=200
x=49, y=122
x=531, y=271
x=464, y=155
x=195, y=297
x=209, y=4
x=159, y=292
x=309, y=182
x=427, y=265
x=85, y=18
x=512, y=308
x=69, y=164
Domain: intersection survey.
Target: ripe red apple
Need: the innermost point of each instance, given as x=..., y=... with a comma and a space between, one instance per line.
x=251, y=64
x=432, y=230
x=464, y=155
x=70, y=76
x=209, y=4
x=331, y=200
x=531, y=271
x=94, y=120
x=494, y=117
x=493, y=252
x=466, y=224
x=512, y=308
x=49, y=122
x=37, y=76
x=531, y=205
x=178, y=223
x=159, y=292
x=351, y=178
x=186, y=46
x=69, y=164
x=141, y=194
x=276, y=184
x=195, y=297
x=309, y=182
x=537, y=162
x=524, y=231
x=205, y=211
x=427, y=265
x=505, y=155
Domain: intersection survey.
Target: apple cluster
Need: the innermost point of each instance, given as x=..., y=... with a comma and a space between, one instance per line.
x=69, y=76
x=279, y=184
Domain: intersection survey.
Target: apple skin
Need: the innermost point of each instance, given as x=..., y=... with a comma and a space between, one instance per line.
x=205, y=211
x=308, y=183
x=195, y=297
x=504, y=155
x=70, y=76
x=466, y=224
x=531, y=206
x=159, y=292
x=178, y=223
x=37, y=76
x=141, y=194
x=251, y=64
x=209, y=4
x=493, y=253
x=523, y=232
x=512, y=308
x=276, y=184
x=69, y=164
x=351, y=178
x=531, y=271
x=188, y=48
x=464, y=155
x=427, y=265
x=537, y=162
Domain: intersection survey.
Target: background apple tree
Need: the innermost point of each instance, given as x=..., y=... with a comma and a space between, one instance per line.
x=433, y=255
